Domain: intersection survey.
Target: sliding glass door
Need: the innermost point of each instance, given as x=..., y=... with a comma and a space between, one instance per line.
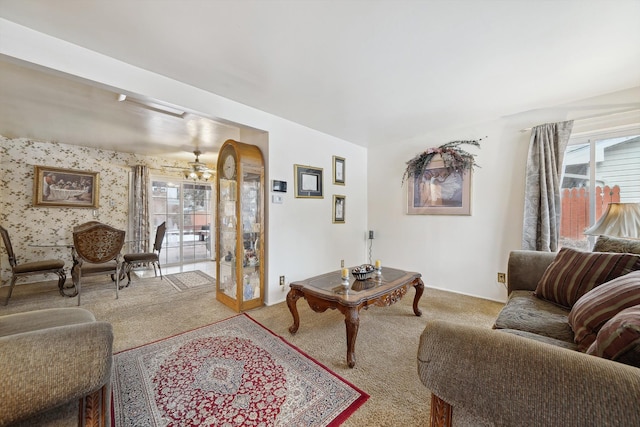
x=186, y=206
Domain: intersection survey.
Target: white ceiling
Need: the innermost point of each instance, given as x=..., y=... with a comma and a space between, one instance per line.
x=371, y=72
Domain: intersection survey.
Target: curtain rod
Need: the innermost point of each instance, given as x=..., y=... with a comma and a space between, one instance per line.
x=595, y=116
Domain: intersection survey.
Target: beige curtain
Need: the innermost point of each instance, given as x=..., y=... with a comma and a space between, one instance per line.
x=541, y=225
x=140, y=209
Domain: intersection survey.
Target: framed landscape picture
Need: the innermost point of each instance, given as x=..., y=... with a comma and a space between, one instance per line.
x=438, y=191
x=55, y=187
x=308, y=182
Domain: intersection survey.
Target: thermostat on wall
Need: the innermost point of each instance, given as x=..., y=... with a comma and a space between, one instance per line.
x=280, y=186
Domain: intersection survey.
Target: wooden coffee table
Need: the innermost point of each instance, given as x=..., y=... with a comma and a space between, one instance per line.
x=326, y=291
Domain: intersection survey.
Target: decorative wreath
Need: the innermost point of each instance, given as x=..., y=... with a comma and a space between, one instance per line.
x=455, y=159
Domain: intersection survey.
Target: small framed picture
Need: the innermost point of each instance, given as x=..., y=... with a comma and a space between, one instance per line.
x=339, y=205
x=338, y=170
x=308, y=182
x=65, y=188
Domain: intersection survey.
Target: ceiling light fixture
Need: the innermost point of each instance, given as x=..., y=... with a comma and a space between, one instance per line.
x=198, y=171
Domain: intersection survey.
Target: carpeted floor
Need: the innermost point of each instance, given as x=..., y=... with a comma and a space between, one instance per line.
x=386, y=346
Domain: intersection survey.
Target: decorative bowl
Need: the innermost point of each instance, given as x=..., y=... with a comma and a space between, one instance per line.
x=363, y=272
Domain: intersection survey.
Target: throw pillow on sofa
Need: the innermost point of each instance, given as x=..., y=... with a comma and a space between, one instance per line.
x=574, y=273
x=619, y=338
x=617, y=244
x=599, y=305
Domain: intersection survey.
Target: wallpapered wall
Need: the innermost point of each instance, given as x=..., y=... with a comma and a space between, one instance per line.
x=36, y=225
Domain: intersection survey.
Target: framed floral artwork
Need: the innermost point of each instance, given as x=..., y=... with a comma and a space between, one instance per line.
x=439, y=191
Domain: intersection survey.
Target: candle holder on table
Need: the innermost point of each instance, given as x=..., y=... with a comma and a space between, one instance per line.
x=378, y=269
x=345, y=277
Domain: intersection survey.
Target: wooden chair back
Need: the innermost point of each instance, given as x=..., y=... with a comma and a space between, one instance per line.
x=97, y=243
x=8, y=246
x=160, y=232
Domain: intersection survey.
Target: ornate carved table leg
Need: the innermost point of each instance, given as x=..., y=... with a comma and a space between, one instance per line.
x=352, y=320
x=292, y=299
x=419, y=285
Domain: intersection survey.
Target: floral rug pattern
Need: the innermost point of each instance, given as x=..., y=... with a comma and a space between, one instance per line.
x=232, y=373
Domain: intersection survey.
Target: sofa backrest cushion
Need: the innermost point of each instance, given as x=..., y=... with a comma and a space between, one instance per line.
x=574, y=273
x=599, y=305
x=617, y=244
x=619, y=338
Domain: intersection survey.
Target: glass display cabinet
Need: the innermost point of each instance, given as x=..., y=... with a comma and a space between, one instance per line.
x=240, y=226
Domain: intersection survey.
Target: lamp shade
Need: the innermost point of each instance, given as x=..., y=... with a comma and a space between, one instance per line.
x=619, y=220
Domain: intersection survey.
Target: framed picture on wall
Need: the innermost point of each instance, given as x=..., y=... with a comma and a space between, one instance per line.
x=339, y=205
x=68, y=188
x=338, y=170
x=308, y=182
x=438, y=191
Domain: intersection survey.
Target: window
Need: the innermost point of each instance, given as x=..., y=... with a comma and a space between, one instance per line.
x=599, y=168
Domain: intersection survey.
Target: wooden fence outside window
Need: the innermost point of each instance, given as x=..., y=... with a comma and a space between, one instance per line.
x=575, y=209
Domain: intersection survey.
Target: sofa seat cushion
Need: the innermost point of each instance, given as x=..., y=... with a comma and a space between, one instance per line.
x=619, y=338
x=41, y=319
x=525, y=312
x=599, y=305
x=541, y=338
x=574, y=273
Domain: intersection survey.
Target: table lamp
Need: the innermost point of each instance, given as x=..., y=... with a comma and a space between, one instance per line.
x=619, y=220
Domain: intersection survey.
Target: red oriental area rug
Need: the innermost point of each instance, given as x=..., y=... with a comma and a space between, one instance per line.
x=231, y=373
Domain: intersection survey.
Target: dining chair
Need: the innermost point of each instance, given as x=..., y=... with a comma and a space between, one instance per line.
x=152, y=258
x=30, y=268
x=96, y=251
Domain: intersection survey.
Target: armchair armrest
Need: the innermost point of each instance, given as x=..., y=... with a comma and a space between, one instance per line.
x=525, y=268
x=46, y=368
x=513, y=381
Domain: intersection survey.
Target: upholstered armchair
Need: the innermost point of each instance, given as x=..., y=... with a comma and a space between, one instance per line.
x=50, y=359
x=96, y=251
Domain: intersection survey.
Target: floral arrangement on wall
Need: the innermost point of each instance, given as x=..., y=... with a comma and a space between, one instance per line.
x=455, y=158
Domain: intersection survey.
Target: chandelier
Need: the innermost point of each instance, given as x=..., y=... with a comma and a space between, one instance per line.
x=198, y=171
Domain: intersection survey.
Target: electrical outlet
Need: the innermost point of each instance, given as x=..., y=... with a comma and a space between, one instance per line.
x=341, y=263
x=502, y=278
x=281, y=280
x=370, y=234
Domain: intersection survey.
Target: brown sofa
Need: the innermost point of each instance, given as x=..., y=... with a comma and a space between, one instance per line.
x=527, y=370
x=51, y=359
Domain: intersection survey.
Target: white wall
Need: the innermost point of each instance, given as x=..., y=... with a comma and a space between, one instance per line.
x=458, y=253
x=302, y=240
x=464, y=253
